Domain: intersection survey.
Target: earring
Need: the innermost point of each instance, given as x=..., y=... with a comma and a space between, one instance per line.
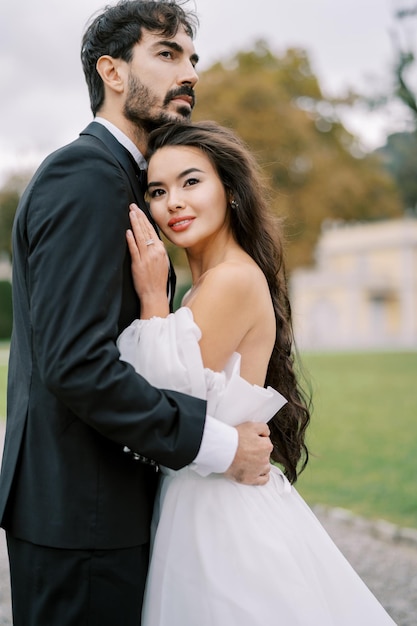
x=234, y=204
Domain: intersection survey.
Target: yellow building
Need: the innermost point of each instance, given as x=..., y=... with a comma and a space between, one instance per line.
x=362, y=292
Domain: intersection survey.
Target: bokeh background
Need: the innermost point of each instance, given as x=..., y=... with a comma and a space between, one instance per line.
x=324, y=93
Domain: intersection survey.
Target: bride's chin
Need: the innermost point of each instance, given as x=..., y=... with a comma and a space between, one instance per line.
x=176, y=241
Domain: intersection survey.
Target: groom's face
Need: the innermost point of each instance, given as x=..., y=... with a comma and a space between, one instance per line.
x=161, y=79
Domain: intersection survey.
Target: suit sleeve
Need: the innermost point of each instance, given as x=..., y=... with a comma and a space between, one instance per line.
x=76, y=224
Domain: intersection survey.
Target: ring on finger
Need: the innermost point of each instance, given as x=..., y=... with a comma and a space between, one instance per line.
x=149, y=242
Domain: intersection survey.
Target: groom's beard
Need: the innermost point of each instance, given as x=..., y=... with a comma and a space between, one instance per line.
x=143, y=109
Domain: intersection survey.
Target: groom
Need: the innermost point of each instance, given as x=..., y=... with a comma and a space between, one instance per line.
x=75, y=502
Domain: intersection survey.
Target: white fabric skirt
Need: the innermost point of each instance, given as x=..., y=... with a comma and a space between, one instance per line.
x=226, y=554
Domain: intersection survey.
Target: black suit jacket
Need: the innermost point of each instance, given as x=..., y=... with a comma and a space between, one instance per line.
x=72, y=404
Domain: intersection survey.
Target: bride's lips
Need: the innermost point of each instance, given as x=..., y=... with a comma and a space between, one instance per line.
x=178, y=224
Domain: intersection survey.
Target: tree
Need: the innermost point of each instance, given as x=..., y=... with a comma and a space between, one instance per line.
x=8, y=203
x=400, y=151
x=405, y=59
x=310, y=161
x=400, y=157
x=403, y=70
x=9, y=199
x=6, y=310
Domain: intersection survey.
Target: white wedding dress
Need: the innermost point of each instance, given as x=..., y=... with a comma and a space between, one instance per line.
x=226, y=554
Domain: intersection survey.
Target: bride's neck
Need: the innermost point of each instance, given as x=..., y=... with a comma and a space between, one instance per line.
x=204, y=259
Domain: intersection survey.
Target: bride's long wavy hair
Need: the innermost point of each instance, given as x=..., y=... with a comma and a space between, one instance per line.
x=259, y=233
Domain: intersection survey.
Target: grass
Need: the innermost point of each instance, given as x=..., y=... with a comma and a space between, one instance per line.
x=363, y=433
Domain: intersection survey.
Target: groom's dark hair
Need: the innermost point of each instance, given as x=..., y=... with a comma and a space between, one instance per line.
x=118, y=28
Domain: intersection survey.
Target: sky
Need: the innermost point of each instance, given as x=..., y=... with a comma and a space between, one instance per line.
x=44, y=102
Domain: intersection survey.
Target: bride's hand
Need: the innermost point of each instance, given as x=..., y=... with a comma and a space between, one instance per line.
x=150, y=265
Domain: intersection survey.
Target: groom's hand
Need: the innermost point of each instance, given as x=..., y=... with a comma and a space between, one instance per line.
x=251, y=464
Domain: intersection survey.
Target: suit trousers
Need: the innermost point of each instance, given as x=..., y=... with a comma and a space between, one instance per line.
x=60, y=587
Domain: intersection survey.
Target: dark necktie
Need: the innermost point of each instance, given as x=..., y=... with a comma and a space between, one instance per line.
x=141, y=175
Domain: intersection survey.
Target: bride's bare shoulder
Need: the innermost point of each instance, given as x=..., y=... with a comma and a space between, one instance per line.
x=239, y=277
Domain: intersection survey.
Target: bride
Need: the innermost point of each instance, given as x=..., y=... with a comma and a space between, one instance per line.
x=227, y=554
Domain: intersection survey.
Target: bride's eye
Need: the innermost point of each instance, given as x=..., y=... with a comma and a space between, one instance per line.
x=191, y=181
x=155, y=193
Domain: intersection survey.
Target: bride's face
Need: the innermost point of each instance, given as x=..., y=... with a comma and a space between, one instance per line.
x=187, y=198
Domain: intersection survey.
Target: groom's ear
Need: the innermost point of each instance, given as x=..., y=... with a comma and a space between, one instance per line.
x=112, y=73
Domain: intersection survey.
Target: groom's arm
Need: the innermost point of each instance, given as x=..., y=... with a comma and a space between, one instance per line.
x=76, y=228
x=242, y=452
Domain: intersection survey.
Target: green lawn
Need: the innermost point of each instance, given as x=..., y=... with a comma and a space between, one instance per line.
x=363, y=435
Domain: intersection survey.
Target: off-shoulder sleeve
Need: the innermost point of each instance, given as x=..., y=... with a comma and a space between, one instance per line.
x=166, y=352
x=233, y=400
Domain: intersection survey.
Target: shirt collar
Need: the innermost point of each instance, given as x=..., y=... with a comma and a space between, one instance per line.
x=125, y=141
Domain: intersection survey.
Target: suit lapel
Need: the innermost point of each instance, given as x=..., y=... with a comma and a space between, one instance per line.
x=131, y=168
x=124, y=158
